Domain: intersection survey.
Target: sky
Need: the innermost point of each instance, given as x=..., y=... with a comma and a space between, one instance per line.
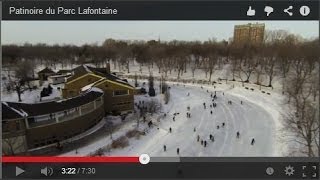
x=88, y=32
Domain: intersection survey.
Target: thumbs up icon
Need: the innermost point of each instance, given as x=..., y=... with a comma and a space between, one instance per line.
x=251, y=12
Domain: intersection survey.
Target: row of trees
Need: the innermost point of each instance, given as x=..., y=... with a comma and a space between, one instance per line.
x=276, y=55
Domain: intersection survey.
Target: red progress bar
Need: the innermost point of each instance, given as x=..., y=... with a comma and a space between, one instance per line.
x=53, y=159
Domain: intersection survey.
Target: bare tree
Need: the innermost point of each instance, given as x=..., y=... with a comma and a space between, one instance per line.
x=270, y=62
x=136, y=80
x=153, y=106
x=22, y=74
x=304, y=122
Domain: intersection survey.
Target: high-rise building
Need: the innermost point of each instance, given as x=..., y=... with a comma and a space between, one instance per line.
x=249, y=34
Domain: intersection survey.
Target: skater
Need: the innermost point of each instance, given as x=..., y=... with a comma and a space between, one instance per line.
x=238, y=134
x=210, y=137
x=178, y=150
x=150, y=124
x=194, y=129
x=210, y=106
x=218, y=127
x=170, y=130
x=205, y=143
x=241, y=102
x=223, y=124
x=222, y=93
x=164, y=148
x=252, y=141
x=198, y=138
x=174, y=118
x=211, y=112
x=188, y=94
x=201, y=142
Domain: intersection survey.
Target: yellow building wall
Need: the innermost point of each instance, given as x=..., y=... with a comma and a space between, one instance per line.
x=73, y=87
x=117, y=103
x=112, y=103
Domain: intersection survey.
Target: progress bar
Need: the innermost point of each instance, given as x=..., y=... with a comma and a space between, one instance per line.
x=53, y=159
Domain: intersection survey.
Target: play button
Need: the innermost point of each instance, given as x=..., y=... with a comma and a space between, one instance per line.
x=19, y=171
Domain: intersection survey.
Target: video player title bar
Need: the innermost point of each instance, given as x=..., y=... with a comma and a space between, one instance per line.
x=160, y=10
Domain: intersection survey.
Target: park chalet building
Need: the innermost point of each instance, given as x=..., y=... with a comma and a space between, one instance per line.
x=118, y=93
x=88, y=95
x=26, y=127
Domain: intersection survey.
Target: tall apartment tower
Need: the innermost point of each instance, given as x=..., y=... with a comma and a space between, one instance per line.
x=249, y=34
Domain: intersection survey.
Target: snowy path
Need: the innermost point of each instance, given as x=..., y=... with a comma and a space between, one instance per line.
x=250, y=119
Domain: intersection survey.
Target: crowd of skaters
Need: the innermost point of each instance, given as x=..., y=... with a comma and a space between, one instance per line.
x=204, y=142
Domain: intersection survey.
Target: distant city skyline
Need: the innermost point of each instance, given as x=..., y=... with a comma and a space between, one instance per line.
x=89, y=32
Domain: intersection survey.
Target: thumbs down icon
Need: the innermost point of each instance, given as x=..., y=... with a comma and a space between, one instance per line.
x=268, y=10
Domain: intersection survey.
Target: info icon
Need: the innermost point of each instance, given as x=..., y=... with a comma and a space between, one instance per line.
x=269, y=171
x=304, y=10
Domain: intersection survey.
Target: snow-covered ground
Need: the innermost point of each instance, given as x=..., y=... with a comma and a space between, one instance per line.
x=259, y=117
x=33, y=96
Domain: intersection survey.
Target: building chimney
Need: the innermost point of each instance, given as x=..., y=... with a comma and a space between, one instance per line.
x=108, y=68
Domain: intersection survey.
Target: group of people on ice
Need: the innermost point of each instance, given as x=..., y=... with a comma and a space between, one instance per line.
x=204, y=142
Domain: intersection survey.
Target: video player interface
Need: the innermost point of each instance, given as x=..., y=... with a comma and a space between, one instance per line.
x=160, y=89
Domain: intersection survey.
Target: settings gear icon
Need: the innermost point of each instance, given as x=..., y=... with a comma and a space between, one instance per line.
x=289, y=170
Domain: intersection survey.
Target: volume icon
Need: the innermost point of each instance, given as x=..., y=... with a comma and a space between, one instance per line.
x=47, y=171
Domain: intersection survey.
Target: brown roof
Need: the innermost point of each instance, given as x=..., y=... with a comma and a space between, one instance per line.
x=15, y=110
x=84, y=69
x=79, y=71
x=64, y=71
x=46, y=70
x=8, y=112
